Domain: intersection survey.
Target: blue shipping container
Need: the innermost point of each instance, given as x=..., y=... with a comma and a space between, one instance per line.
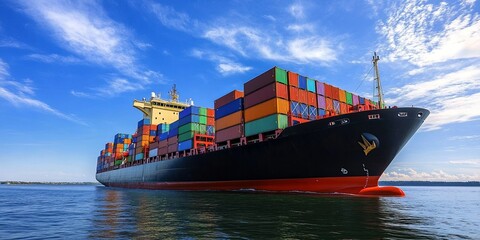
x=302, y=82
x=311, y=85
x=189, y=111
x=361, y=100
x=321, y=112
x=295, y=108
x=153, y=133
x=144, y=121
x=231, y=107
x=162, y=127
x=210, y=130
x=185, y=145
x=189, y=119
x=173, y=132
x=312, y=112
x=336, y=106
x=163, y=136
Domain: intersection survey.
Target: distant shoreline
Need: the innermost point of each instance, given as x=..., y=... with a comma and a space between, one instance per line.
x=381, y=183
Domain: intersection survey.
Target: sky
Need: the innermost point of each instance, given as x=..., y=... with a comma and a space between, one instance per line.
x=69, y=71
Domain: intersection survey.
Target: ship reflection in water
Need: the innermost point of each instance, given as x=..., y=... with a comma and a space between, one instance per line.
x=207, y=215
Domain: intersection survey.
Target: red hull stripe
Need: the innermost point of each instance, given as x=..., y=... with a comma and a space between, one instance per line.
x=352, y=185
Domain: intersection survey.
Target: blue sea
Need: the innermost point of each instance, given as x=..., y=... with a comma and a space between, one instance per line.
x=97, y=212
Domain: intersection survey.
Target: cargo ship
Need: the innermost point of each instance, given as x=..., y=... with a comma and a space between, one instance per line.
x=284, y=133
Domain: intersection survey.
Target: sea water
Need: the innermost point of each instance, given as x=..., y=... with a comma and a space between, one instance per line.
x=97, y=212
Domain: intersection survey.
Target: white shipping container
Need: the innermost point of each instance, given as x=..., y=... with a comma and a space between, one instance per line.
x=153, y=152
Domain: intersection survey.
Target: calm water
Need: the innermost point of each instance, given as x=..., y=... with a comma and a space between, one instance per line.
x=79, y=212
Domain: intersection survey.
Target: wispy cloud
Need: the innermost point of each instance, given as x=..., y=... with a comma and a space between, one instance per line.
x=171, y=18
x=466, y=162
x=119, y=85
x=54, y=58
x=410, y=174
x=296, y=10
x=465, y=137
x=442, y=43
x=424, y=34
x=22, y=94
x=84, y=29
x=224, y=65
x=12, y=43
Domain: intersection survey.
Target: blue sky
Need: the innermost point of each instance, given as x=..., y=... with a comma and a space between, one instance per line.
x=69, y=71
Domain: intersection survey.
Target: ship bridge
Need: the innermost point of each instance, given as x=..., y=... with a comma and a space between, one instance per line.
x=159, y=110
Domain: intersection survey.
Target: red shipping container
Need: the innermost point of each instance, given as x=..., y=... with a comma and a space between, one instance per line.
x=328, y=90
x=172, y=148
x=302, y=96
x=153, y=145
x=328, y=104
x=162, y=151
x=343, y=108
x=293, y=79
x=211, y=121
x=172, y=140
x=293, y=92
x=335, y=93
x=153, y=127
x=163, y=143
x=211, y=112
x=230, y=133
x=225, y=99
x=274, y=90
x=312, y=99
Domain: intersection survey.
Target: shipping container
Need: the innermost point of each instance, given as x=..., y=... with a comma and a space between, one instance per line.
x=335, y=93
x=343, y=108
x=311, y=85
x=321, y=112
x=229, y=108
x=302, y=96
x=185, y=136
x=272, y=106
x=229, y=120
x=293, y=79
x=355, y=100
x=163, y=143
x=227, y=98
x=328, y=91
x=263, y=94
x=293, y=93
x=320, y=88
x=210, y=113
x=320, y=101
x=162, y=127
x=173, y=132
x=139, y=156
x=145, y=121
x=202, y=119
x=172, y=148
x=211, y=120
x=303, y=110
x=153, y=152
x=189, y=119
x=342, y=96
x=295, y=109
x=302, y=82
x=312, y=112
x=348, y=97
x=173, y=140
x=336, y=106
x=162, y=151
x=270, y=76
x=230, y=133
x=328, y=104
x=266, y=124
x=193, y=127
x=192, y=110
x=163, y=136
x=312, y=99
x=185, y=145
x=361, y=100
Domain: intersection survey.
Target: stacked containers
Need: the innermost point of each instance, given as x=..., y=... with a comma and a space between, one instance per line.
x=193, y=123
x=172, y=137
x=162, y=138
x=312, y=99
x=266, y=102
x=146, y=134
x=229, y=117
x=120, y=147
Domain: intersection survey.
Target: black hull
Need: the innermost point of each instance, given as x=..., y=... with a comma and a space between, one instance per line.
x=326, y=149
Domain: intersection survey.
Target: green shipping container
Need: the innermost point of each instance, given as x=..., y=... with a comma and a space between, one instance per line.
x=311, y=85
x=203, y=119
x=118, y=162
x=349, y=98
x=202, y=111
x=129, y=158
x=281, y=75
x=266, y=124
x=185, y=136
x=192, y=127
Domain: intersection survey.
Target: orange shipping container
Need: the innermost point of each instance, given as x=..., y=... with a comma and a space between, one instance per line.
x=343, y=108
x=229, y=120
x=328, y=90
x=335, y=93
x=293, y=79
x=210, y=121
x=302, y=96
x=211, y=112
x=153, y=127
x=329, y=104
x=293, y=92
x=342, y=97
x=272, y=106
x=312, y=99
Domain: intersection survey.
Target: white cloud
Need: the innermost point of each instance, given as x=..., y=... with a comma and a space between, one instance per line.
x=118, y=85
x=21, y=95
x=12, y=43
x=466, y=162
x=424, y=34
x=54, y=58
x=171, y=18
x=224, y=65
x=465, y=137
x=296, y=10
x=452, y=98
x=410, y=174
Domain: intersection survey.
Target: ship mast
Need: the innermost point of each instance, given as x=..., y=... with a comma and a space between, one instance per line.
x=173, y=93
x=375, y=59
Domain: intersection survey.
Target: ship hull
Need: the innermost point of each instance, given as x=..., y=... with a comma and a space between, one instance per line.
x=343, y=154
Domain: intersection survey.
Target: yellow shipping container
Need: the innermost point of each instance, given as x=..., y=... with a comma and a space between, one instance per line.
x=342, y=96
x=229, y=120
x=272, y=106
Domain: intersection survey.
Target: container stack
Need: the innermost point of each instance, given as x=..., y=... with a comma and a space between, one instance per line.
x=266, y=102
x=120, y=147
x=196, y=128
x=229, y=117
x=172, y=138
x=145, y=135
x=161, y=139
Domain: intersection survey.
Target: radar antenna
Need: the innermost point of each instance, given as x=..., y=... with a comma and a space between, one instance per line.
x=173, y=93
x=375, y=59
